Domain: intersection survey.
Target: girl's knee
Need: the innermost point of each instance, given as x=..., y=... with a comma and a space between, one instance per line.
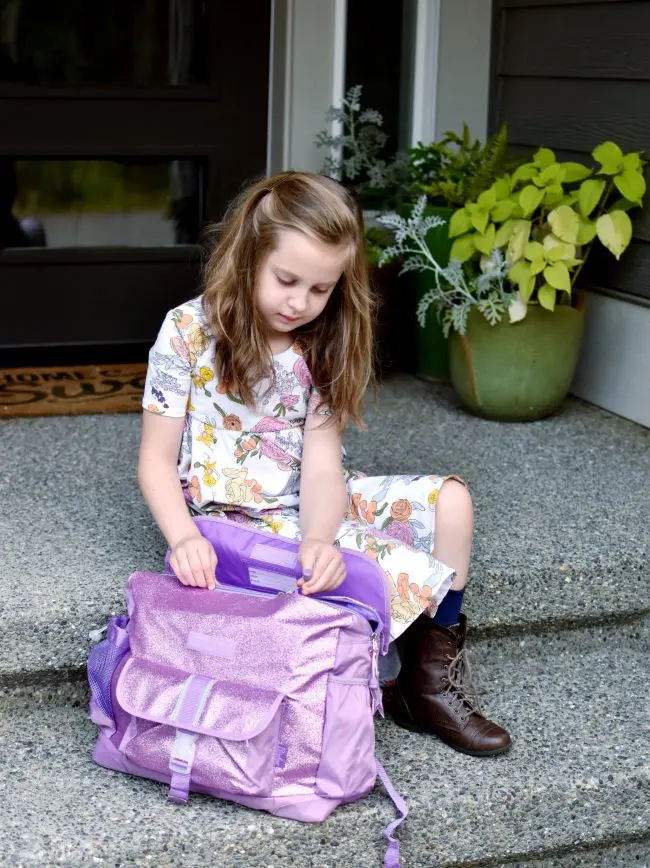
x=454, y=498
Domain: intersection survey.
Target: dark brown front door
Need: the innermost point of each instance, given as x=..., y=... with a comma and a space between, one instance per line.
x=124, y=128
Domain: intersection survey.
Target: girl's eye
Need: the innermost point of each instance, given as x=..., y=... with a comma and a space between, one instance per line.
x=321, y=291
x=286, y=282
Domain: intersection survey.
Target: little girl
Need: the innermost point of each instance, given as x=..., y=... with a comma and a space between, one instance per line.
x=249, y=389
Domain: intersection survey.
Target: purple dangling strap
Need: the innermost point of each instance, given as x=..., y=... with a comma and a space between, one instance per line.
x=391, y=859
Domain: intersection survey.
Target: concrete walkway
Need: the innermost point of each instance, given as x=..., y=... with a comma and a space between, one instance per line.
x=557, y=604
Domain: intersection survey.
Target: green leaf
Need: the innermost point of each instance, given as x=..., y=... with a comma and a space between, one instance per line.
x=526, y=288
x=610, y=157
x=460, y=223
x=485, y=242
x=557, y=275
x=533, y=250
x=463, y=248
x=503, y=210
x=553, y=174
x=479, y=217
x=543, y=157
x=623, y=205
x=553, y=194
x=631, y=162
x=519, y=271
x=518, y=240
x=565, y=223
x=550, y=241
x=560, y=252
x=526, y=172
x=631, y=185
x=537, y=265
x=575, y=172
x=488, y=198
x=586, y=232
x=501, y=188
x=504, y=232
x=529, y=199
x=546, y=296
x=614, y=231
x=520, y=275
x=589, y=195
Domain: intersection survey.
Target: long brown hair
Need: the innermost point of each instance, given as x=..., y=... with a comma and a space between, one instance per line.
x=338, y=344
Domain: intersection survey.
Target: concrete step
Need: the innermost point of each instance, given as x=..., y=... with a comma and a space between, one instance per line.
x=635, y=854
x=562, y=518
x=575, y=784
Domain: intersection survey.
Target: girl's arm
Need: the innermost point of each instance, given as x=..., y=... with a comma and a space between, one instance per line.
x=193, y=558
x=323, y=504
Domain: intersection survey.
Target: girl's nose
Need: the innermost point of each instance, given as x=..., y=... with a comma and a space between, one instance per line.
x=298, y=302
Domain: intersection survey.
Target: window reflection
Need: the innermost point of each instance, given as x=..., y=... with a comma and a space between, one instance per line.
x=99, y=203
x=103, y=42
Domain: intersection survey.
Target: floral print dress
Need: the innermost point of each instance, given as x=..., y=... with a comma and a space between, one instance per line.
x=244, y=464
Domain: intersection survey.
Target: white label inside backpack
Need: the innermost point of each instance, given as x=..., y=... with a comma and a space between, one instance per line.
x=273, y=556
x=269, y=579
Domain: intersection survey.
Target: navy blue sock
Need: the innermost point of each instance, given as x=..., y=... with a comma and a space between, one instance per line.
x=449, y=610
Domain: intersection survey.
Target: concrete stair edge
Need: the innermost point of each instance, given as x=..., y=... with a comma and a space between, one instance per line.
x=576, y=772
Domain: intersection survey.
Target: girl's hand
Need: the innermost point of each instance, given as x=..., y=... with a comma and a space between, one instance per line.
x=323, y=567
x=194, y=562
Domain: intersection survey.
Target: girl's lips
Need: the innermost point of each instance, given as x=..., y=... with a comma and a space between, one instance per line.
x=289, y=318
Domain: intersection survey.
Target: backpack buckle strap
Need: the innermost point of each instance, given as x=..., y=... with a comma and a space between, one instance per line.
x=188, y=711
x=180, y=765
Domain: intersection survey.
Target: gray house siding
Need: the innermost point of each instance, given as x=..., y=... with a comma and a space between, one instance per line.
x=568, y=74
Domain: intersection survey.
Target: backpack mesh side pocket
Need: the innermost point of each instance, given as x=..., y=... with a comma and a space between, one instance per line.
x=104, y=659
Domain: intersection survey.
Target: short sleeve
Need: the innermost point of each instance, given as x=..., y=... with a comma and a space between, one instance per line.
x=315, y=404
x=169, y=374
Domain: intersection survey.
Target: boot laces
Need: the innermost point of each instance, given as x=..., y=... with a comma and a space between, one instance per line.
x=462, y=691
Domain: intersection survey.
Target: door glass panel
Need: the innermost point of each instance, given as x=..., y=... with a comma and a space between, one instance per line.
x=102, y=42
x=100, y=203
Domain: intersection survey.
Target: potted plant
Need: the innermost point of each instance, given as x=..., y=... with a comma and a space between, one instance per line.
x=508, y=297
x=447, y=173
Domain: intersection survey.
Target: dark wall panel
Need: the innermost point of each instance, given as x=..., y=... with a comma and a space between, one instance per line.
x=569, y=74
x=577, y=114
x=517, y=4
x=607, y=41
x=120, y=302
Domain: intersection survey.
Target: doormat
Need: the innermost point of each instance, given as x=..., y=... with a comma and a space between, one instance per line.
x=68, y=391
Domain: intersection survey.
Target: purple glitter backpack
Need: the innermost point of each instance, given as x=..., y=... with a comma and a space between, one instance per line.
x=251, y=692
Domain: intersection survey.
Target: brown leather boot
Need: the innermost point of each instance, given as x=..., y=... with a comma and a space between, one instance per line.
x=434, y=691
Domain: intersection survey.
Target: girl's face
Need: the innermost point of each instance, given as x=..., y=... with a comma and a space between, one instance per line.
x=296, y=280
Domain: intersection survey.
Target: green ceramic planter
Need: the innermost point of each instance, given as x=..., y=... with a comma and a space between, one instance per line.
x=516, y=372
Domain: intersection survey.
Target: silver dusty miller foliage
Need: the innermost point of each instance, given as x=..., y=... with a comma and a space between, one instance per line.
x=354, y=153
x=454, y=291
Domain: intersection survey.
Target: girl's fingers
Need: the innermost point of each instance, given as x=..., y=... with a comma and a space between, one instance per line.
x=324, y=580
x=198, y=571
x=206, y=567
x=214, y=560
x=340, y=578
x=186, y=574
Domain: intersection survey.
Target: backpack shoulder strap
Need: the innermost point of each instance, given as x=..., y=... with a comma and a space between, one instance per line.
x=391, y=859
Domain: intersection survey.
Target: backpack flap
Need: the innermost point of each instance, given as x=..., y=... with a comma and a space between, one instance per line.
x=196, y=728
x=264, y=561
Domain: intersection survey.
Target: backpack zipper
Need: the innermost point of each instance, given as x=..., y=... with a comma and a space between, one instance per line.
x=353, y=606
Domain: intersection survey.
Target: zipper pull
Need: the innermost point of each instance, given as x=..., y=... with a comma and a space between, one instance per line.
x=376, y=700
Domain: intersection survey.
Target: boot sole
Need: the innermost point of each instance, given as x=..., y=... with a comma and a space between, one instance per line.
x=412, y=727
